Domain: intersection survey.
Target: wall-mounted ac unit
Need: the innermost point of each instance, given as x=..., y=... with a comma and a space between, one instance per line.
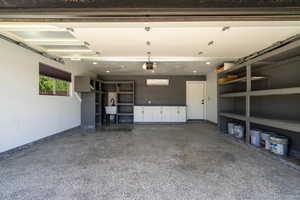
x=157, y=82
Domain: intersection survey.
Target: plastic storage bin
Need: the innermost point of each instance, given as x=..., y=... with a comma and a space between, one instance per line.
x=239, y=131
x=230, y=127
x=255, y=137
x=279, y=145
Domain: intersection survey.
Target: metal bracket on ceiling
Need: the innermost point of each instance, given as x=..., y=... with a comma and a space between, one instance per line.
x=21, y=44
x=268, y=49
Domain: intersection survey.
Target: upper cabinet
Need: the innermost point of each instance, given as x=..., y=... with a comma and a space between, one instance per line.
x=85, y=84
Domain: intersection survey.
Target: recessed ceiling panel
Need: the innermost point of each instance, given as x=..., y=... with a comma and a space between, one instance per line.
x=67, y=47
x=44, y=34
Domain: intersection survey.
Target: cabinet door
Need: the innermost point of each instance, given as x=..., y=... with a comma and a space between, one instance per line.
x=157, y=113
x=181, y=114
x=148, y=114
x=166, y=114
x=152, y=114
x=138, y=114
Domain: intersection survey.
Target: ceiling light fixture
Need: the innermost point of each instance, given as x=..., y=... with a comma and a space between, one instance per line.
x=194, y=71
x=208, y=63
x=76, y=59
x=107, y=71
x=95, y=63
x=149, y=66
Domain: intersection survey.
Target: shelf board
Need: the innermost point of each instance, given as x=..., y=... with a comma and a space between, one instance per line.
x=234, y=94
x=243, y=79
x=283, y=91
x=281, y=124
x=234, y=116
x=125, y=104
x=127, y=92
x=125, y=114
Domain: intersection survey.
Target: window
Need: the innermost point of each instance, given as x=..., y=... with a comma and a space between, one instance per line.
x=157, y=82
x=53, y=81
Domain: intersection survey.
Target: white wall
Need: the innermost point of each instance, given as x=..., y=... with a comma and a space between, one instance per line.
x=212, y=103
x=25, y=116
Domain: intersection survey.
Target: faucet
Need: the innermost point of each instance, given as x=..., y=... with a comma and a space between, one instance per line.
x=112, y=101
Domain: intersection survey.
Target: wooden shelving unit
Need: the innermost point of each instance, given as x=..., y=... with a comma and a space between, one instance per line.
x=278, y=93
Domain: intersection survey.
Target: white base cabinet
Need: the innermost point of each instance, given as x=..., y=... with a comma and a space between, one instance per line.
x=159, y=114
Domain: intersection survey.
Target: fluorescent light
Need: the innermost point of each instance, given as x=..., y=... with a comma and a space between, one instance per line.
x=76, y=59
x=51, y=40
x=69, y=50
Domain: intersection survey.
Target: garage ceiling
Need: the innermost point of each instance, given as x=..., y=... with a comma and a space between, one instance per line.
x=178, y=47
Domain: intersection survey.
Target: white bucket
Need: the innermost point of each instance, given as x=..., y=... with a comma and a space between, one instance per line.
x=279, y=145
x=238, y=131
x=255, y=137
x=265, y=140
x=230, y=127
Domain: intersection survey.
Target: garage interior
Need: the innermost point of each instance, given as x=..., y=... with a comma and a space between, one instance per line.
x=145, y=108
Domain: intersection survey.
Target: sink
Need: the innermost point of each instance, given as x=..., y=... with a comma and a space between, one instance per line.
x=111, y=110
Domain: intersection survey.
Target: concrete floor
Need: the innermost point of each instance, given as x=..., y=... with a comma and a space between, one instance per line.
x=167, y=162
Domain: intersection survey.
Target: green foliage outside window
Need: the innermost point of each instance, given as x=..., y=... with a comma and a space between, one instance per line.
x=61, y=85
x=46, y=83
x=52, y=86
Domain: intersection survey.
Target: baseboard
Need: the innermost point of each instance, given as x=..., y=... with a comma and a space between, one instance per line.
x=211, y=122
x=8, y=153
x=158, y=123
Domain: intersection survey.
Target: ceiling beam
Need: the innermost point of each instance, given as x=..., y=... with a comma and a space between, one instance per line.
x=149, y=14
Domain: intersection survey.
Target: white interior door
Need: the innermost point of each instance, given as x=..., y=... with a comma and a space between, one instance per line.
x=195, y=91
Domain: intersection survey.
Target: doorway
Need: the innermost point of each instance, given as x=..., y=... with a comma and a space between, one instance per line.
x=195, y=100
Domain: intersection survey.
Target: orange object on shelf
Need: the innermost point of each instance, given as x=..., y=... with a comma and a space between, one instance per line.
x=222, y=80
x=232, y=77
